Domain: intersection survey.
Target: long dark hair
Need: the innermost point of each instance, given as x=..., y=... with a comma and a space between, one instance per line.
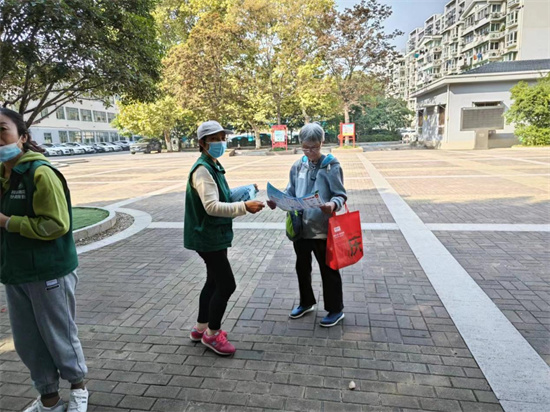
x=22, y=130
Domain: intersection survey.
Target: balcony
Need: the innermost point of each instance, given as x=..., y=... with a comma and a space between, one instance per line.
x=436, y=49
x=511, y=24
x=437, y=62
x=513, y=3
x=494, y=55
x=512, y=44
x=494, y=17
x=496, y=35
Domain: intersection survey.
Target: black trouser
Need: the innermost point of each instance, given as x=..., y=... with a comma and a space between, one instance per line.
x=219, y=286
x=332, y=281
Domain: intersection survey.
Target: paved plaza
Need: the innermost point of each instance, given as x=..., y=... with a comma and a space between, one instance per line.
x=449, y=309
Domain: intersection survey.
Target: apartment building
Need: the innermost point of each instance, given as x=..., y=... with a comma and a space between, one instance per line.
x=469, y=34
x=83, y=121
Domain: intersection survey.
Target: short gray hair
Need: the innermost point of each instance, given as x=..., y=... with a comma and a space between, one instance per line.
x=312, y=132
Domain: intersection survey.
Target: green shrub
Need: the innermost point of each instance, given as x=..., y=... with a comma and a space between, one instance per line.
x=533, y=135
x=380, y=136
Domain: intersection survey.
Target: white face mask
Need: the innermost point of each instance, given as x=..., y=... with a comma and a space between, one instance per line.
x=10, y=151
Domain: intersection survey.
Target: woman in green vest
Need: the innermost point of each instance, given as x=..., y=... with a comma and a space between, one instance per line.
x=38, y=264
x=208, y=230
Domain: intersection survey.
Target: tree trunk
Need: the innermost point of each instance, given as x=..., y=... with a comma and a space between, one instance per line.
x=257, y=137
x=307, y=118
x=167, y=140
x=346, y=120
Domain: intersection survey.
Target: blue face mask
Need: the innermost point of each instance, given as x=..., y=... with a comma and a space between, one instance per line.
x=217, y=149
x=9, y=151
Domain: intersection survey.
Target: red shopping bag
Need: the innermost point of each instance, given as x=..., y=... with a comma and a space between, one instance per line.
x=344, y=239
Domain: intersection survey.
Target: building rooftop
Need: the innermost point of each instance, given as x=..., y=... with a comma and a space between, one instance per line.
x=511, y=66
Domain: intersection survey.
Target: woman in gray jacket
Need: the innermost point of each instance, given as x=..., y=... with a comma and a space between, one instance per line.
x=316, y=172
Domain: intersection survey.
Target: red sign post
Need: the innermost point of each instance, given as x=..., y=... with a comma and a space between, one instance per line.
x=279, y=136
x=347, y=130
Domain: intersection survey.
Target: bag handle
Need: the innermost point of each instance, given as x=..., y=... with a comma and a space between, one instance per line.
x=345, y=205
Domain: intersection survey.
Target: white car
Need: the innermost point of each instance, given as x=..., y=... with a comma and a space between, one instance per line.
x=51, y=151
x=109, y=147
x=86, y=148
x=75, y=149
x=408, y=135
x=65, y=151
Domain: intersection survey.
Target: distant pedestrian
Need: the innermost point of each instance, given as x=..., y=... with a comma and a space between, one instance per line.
x=38, y=264
x=208, y=229
x=316, y=172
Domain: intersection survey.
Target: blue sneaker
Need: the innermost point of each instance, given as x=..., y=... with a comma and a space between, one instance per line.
x=300, y=311
x=332, y=319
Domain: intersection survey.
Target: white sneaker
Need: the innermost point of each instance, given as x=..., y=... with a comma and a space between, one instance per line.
x=37, y=406
x=78, y=402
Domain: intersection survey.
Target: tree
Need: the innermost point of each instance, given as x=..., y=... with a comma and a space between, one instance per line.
x=381, y=113
x=196, y=72
x=56, y=51
x=531, y=112
x=151, y=119
x=356, y=46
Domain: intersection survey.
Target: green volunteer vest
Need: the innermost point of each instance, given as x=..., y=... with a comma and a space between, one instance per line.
x=24, y=260
x=202, y=232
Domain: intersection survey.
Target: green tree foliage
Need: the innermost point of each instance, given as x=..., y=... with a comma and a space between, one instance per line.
x=356, y=47
x=152, y=119
x=381, y=113
x=56, y=51
x=530, y=112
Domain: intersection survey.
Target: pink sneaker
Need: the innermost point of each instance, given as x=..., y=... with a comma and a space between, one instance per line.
x=218, y=343
x=196, y=335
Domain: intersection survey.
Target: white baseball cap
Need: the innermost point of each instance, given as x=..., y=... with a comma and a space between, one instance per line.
x=210, y=127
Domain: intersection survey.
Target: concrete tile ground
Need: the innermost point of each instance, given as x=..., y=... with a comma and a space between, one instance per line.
x=138, y=298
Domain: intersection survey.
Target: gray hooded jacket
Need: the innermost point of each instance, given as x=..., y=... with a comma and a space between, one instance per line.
x=326, y=177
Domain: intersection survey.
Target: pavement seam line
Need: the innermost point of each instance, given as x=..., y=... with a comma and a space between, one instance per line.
x=517, y=374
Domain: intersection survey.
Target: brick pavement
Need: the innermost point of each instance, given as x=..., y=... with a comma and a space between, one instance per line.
x=138, y=298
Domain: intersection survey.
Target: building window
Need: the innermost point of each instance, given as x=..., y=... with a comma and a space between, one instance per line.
x=44, y=113
x=102, y=136
x=63, y=138
x=512, y=38
x=110, y=117
x=47, y=137
x=494, y=46
x=487, y=104
x=74, y=136
x=88, y=137
x=496, y=8
x=86, y=115
x=72, y=114
x=100, y=117
x=60, y=113
x=513, y=17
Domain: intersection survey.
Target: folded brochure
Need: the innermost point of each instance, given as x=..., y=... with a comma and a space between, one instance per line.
x=290, y=203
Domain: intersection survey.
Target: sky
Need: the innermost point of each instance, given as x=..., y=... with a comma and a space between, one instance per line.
x=407, y=15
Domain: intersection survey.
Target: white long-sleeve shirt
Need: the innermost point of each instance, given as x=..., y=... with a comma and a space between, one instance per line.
x=207, y=189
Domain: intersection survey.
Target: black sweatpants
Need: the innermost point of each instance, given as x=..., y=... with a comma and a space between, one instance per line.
x=219, y=286
x=332, y=281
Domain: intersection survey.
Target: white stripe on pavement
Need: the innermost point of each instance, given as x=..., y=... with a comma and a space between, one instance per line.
x=517, y=374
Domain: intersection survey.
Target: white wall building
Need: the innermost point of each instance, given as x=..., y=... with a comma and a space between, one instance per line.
x=84, y=121
x=441, y=105
x=469, y=34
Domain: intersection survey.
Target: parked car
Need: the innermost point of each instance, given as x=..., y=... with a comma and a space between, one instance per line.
x=146, y=146
x=408, y=135
x=110, y=147
x=75, y=149
x=50, y=150
x=123, y=143
x=67, y=151
x=99, y=149
x=87, y=149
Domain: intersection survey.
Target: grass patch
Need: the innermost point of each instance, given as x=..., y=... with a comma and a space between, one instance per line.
x=83, y=217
